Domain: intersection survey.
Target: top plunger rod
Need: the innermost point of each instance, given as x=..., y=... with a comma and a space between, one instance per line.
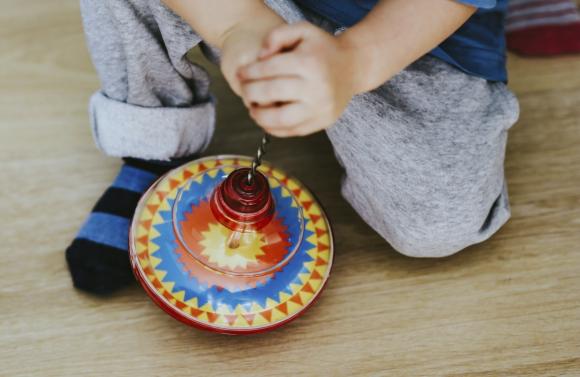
x=258, y=160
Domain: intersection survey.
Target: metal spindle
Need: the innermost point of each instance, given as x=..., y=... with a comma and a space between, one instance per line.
x=258, y=160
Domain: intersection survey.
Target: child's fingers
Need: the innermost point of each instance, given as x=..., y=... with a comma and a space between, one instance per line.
x=278, y=65
x=280, y=117
x=301, y=129
x=284, y=37
x=265, y=92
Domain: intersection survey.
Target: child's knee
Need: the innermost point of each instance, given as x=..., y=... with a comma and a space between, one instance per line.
x=418, y=230
x=429, y=242
x=441, y=239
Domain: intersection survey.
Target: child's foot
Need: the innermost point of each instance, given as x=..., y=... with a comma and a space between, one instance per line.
x=543, y=27
x=98, y=257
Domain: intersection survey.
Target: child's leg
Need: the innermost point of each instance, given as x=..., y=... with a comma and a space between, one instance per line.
x=153, y=105
x=424, y=156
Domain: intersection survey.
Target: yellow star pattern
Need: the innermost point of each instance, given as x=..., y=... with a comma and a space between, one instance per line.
x=230, y=249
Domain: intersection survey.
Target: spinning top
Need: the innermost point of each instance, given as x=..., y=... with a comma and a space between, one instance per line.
x=224, y=245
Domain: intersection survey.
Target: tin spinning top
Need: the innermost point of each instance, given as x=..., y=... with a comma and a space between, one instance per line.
x=224, y=245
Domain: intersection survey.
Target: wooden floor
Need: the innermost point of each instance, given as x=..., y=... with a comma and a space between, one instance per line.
x=508, y=307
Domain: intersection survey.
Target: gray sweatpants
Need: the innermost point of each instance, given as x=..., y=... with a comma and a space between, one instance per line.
x=423, y=153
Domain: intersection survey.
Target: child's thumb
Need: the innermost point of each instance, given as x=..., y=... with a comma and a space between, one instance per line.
x=283, y=38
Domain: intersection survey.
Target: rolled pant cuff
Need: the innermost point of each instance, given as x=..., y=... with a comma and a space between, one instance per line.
x=124, y=130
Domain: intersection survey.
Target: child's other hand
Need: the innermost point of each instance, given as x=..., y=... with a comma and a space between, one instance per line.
x=302, y=82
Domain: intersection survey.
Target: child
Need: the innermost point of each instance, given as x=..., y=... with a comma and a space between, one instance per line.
x=410, y=92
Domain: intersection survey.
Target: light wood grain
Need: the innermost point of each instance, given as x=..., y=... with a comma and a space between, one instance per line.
x=508, y=307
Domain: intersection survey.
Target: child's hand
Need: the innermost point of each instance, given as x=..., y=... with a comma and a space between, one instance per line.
x=302, y=82
x=241, y=46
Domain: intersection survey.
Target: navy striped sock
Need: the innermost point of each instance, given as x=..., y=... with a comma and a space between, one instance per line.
x=98, y=257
